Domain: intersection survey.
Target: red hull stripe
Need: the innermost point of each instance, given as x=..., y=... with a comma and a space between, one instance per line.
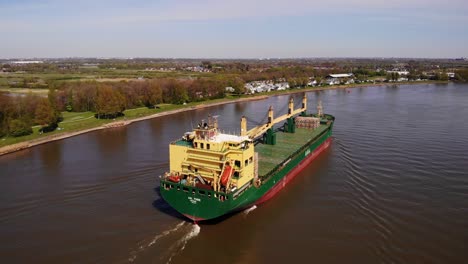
x=285, y=180
x=194, y=218
x=280, y=185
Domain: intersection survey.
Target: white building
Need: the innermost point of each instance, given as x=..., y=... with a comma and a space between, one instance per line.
x=282, y=86
x=339, y=78
x=401, y=73
x=26, y=62
x=265, y=86
x=229, y=89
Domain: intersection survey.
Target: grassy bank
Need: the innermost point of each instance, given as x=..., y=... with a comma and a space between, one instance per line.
x=78, y=121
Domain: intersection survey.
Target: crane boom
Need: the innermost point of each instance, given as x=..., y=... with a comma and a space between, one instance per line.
x=259, y=130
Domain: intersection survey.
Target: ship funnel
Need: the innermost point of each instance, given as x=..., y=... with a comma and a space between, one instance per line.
x=243, y=126
x=291, y=106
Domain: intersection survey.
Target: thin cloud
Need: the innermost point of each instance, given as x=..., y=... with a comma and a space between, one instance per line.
x=225, y=10
x=94, y=25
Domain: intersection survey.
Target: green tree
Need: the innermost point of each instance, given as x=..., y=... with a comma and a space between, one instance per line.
x=45, y=114
x=20, y=127
x=175, y=91
x=238, y=84
x=461, y=75
x=319, y=80
x=69, y=102
x=443, y=76
x=206, y=64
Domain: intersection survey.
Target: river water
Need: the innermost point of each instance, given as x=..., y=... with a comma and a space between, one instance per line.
x=391, y=188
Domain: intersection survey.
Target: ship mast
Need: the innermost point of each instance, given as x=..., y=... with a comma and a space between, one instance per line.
x=319, y=109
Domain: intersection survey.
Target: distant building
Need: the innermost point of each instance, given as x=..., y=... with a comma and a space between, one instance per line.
x=230, y=89
x=339, y=78
x=341, y=75
x=265, y=86
x=312, y=83
x=281, y=86
x=401, y=73
x=26, y=62
x=197, y=69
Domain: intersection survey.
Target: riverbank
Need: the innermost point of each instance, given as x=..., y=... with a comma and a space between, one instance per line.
x=113, y=124
x=106, y=124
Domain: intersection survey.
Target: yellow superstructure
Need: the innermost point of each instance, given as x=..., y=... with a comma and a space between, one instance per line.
x=205, y=153
x=209, y=159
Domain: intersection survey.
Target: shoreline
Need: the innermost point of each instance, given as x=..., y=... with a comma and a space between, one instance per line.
x=34, y=142
x=120, y=123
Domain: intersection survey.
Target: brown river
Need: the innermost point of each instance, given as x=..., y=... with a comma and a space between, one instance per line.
x=391, y=188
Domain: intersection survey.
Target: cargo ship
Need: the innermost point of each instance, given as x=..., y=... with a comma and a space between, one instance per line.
x=212, y=173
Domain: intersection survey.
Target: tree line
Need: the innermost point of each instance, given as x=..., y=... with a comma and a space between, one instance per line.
x=19, y=113
x=106, y=99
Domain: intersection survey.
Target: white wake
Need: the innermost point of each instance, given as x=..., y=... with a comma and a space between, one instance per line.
x=135, y=253
x=250, y=209
x=180, y=245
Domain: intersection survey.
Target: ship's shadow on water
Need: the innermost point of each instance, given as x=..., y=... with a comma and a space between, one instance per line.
x=165, y=208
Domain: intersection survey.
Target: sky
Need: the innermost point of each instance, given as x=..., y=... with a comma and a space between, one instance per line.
x=233, y=29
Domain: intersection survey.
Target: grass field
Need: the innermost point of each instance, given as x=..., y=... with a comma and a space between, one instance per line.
x=101, y=75
x=71, y=122
x=42, y=92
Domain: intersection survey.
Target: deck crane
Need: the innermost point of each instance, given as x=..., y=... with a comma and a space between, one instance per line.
x=265, y=130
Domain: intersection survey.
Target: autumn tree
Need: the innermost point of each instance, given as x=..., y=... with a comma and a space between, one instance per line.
x=174, y=91
x=110, y=103
x=5, y=112
x=46, y=116
x=151, y=94
x=53, y=101
x=84, y=96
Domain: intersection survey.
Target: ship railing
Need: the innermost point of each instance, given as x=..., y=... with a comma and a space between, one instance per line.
x=197, y=192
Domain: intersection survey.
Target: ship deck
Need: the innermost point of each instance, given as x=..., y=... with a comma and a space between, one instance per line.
x=286, y=144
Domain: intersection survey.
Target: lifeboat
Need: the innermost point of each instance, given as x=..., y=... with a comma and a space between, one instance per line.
x=228, y=170
x=174, y=178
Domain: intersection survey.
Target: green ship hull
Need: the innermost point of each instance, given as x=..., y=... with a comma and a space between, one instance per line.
x=278, y=165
